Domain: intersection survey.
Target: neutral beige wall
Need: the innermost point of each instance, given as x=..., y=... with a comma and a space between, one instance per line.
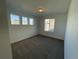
x=5, y=48
x=20, y=32
x=60, y=25
x=71, y=38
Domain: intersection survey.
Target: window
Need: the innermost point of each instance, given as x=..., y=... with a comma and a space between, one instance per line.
x=49, y=25
x=24, y=20
x=18, y=20
x=31, y=21
x=15, y=19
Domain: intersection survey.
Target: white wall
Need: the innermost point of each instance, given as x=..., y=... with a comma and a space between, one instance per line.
x=5, y=48
x=20, y=32
x=60, y=25
x=71, y=38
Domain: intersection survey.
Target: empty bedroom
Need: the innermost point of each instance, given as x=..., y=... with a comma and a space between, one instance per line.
x=38, y=29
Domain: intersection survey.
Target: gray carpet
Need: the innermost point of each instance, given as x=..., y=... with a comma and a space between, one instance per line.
x=38, y=47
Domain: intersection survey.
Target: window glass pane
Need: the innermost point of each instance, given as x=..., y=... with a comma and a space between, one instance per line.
x=15, y=19
x=52, y=24
x=46, y=25
x=49, y=25
x=24, y=20
x=46, y=20
x=31, y=21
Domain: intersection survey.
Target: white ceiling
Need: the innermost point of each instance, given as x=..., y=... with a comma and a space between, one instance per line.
x=51, y=6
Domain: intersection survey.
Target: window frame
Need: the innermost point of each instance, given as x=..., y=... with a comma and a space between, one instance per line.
x=22, y=21
x=49, y=25
x=33, y=21
x=11, y=19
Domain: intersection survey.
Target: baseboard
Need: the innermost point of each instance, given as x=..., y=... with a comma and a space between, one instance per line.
x=35, y=36
x=25, y=39
x=49, y=37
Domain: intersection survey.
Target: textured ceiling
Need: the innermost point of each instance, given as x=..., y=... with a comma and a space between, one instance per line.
x=51, y=6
